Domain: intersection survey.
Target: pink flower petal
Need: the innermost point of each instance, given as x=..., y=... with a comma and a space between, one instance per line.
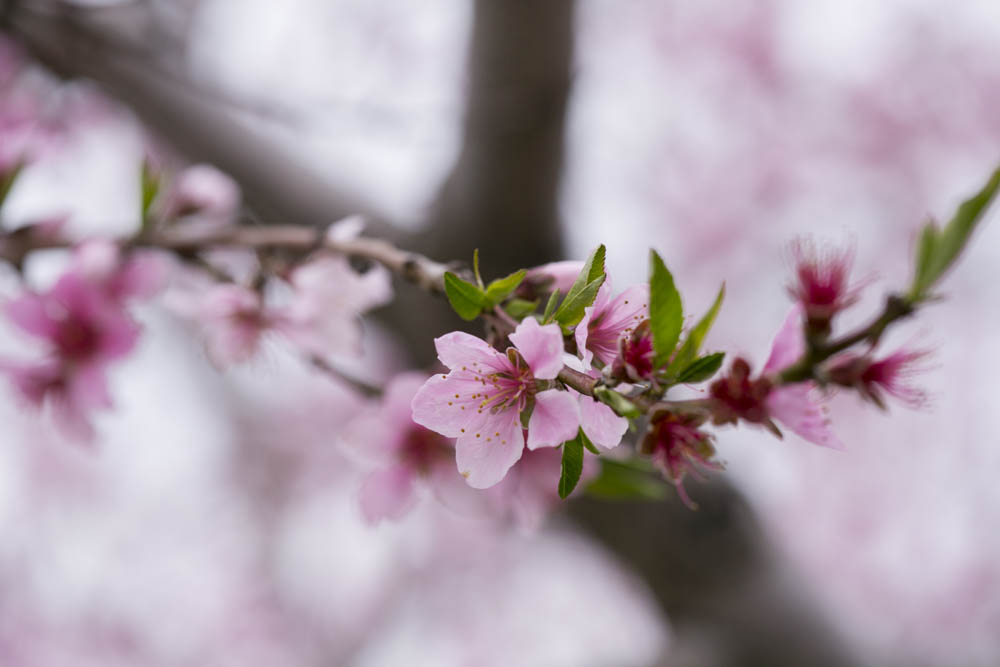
x=484, y=456
x=562, y=274
x=458, y=349
x=554, y=420
x=30, y=313
x=450, y=404
x=794, y=406
x=581, y=334
x=600, y=423
x=541, y=346
x=387, y=494
x=789, y=344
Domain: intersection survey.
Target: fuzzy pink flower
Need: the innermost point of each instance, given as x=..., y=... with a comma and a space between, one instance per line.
x=821, y=286
x=204, y=191
x=607, y=320
x=234, y=320
x=140, y=275
x=83, y=330
x=529, y=492
x=796, y=405
x=328, y=298
x=405, y=455
x=481, y=401
x=890, y=375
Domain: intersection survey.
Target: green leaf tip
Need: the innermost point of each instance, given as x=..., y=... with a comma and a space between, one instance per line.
x=938, y=249
x=467, y=299
x=666, y=314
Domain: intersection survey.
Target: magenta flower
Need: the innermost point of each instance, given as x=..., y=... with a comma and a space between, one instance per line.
x=760, y=401
x=404, y=454
x=607, y=320
x=635, y=355
x=679, y=447
x=889, y=375
x=821, y=286
x=83, y=330
x=481, y=401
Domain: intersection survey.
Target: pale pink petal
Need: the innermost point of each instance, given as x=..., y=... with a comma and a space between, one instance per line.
x=554, y=420
x=452, y=491
x=789, y=344
x=562, y=274
x=450, y=405
x=88, y=389
x=458, y=349
x=582, y=333
x=794, y=406
x=541, y=346
x=484, y=456
x=30, y=313
x=600, y=423
x=387, y=494
x=398, y=398
x=347, y=229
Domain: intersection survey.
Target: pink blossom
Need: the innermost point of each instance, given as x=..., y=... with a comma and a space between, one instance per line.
x=821, y=283
x=679, y=447
x=234, y=321
x=140, y=275
x=635, y=355
x=890, y=374
x=405, y=455
x=481, y=400
x=554, y=275
x=328, y=297
x=204, y=191
x=796, y=405
x=607, y=320
x=530, y=491
x=83, y=330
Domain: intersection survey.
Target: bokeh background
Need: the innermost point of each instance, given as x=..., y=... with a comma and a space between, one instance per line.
x=216, y=521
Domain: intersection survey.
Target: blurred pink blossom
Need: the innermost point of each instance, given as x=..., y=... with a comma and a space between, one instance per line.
x=890, y=375
x=405, y=455
x=204, y=191
x=84, y=327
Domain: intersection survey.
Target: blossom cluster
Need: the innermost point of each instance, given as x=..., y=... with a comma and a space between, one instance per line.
x=568, y=371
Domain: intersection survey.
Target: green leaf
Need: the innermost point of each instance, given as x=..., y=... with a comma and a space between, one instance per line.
x=588, y=444
x=689, y=349
x=702, y=368
x=937, y=249
x=550, y=307
x=475, y=268
x=519, y=308
x=573, y=306
x=467, y=299
x=7, y=180
x=628, y=480
x=572, y=465
x=621, y=405
x=666, y=315
x=500, y=288
x=584, y=289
